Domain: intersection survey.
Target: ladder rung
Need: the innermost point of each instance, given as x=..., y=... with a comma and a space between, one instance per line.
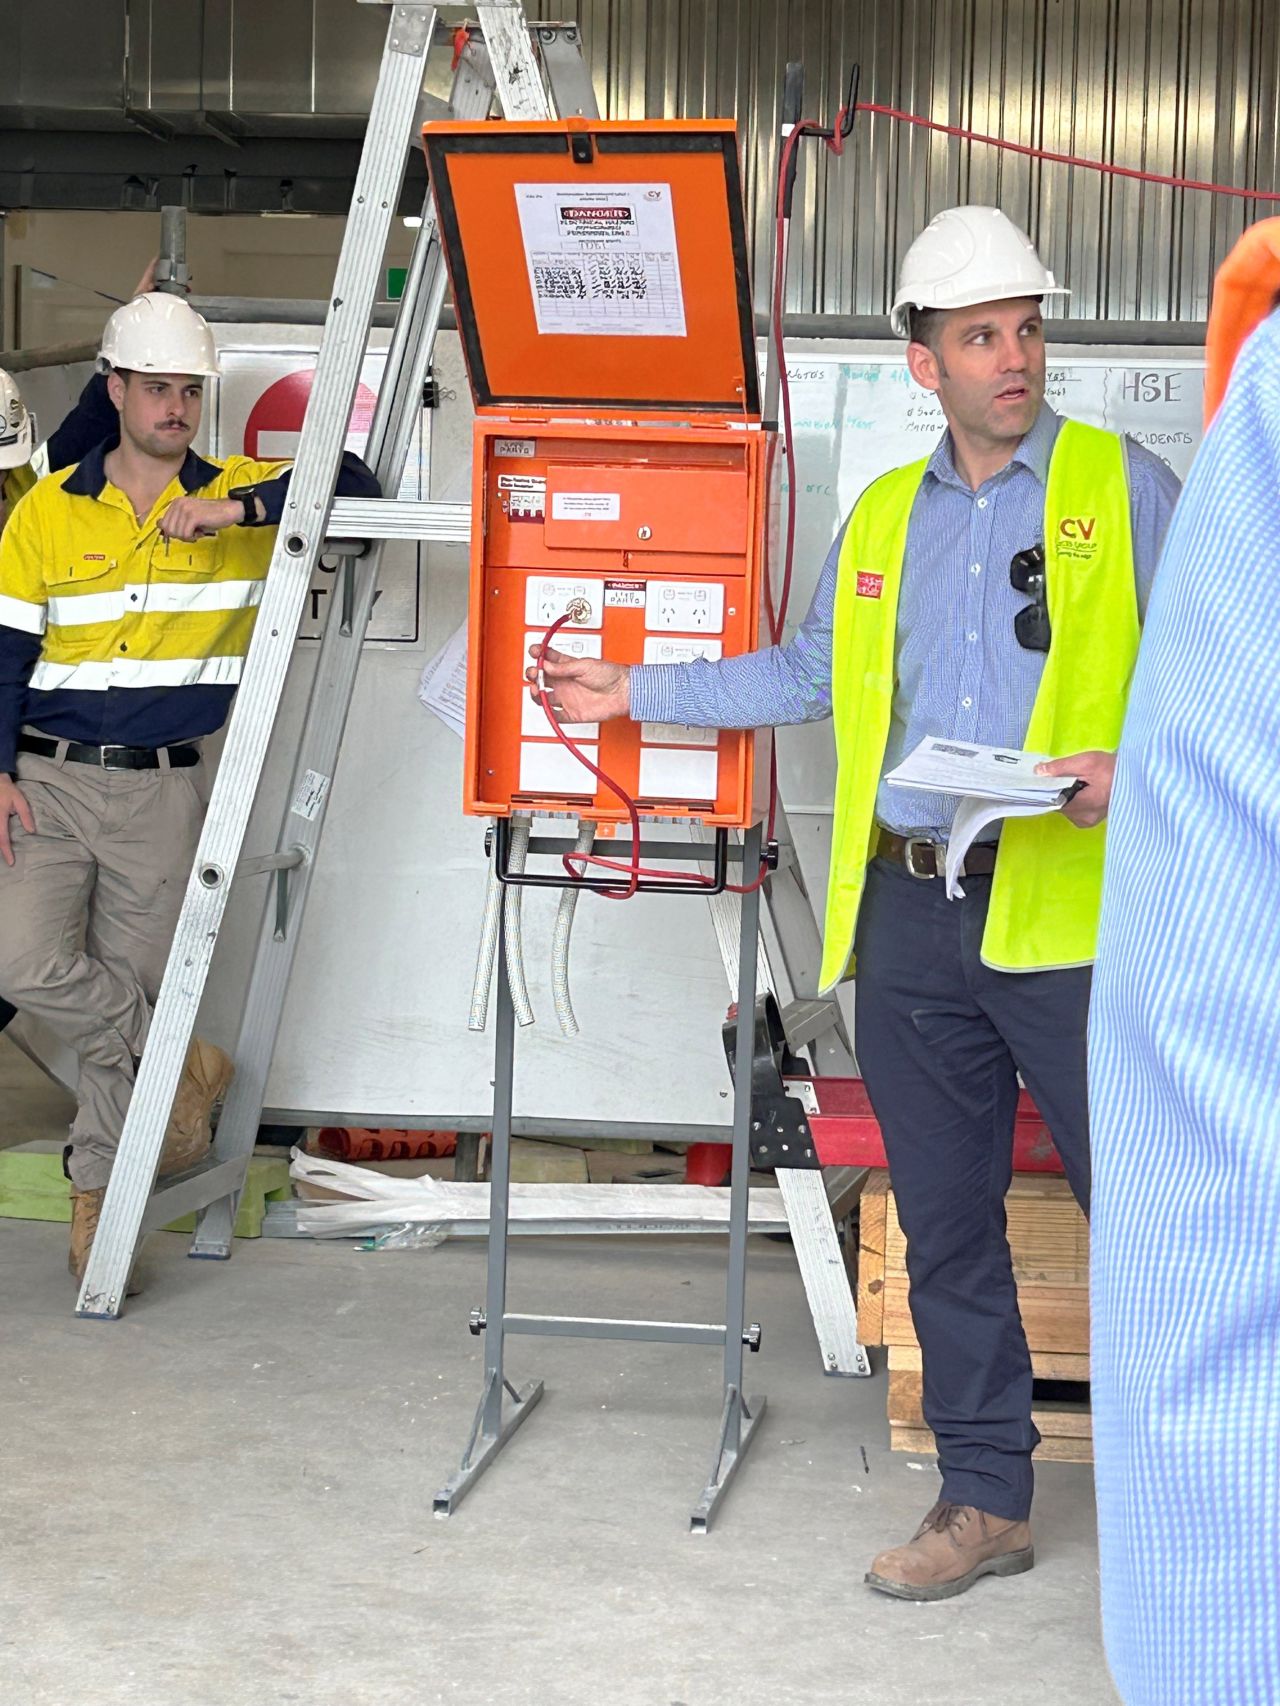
x=809, y=1017
x=195, y=1190
x=395, y=518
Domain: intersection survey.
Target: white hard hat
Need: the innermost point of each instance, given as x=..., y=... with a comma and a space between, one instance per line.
x=158, y=333
x=17, y=426
x=968, y=255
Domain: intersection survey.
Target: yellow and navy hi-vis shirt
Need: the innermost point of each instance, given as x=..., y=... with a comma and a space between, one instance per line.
x=111, y=635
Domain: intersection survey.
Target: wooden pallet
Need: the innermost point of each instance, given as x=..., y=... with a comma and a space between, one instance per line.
x=1065, y=1423
x=1049, y=1241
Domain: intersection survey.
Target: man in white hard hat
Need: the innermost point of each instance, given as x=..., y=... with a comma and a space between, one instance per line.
x=991, y=593
x=128, y=591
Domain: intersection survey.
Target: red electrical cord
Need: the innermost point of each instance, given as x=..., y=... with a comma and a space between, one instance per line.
x=575, y=863
x=1062, y=159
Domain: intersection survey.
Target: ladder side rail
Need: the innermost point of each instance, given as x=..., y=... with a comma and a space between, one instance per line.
x=521, y=93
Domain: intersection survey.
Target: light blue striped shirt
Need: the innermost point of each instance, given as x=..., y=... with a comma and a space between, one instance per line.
x=961, y=673
x=1184, y=1078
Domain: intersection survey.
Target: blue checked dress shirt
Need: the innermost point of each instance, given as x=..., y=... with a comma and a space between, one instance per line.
x=961, y=672
x=1184, y=1078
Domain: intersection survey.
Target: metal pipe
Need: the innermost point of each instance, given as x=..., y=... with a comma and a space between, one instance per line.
x=560, y=940
x=172, y=273
x=53, y=355
x=487, y=952
x=291, y=311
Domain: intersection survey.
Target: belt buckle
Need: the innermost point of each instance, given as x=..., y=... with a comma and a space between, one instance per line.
x=910, y=844
x=104, y=763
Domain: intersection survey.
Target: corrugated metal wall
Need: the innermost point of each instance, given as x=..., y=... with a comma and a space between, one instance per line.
x=1185, y=87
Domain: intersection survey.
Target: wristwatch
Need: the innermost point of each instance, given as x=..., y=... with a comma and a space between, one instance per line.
x=247, y=496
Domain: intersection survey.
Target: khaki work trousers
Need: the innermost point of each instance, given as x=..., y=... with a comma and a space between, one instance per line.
x=87, y=913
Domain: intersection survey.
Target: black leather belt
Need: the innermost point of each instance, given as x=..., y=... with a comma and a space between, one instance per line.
x=924, y=858
x=112, y=757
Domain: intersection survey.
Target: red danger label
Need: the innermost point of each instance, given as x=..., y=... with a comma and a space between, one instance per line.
x=571, y=214
x=870, y=586
x=625, y=595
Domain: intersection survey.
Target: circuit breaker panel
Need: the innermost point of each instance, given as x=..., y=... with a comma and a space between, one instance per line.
x=620, y=468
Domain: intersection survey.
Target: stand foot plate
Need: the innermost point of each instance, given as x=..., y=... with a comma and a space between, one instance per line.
x=727, y=1458
x=484, y=1447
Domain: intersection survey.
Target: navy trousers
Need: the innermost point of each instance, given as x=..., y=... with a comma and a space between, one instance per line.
x=941, y=1039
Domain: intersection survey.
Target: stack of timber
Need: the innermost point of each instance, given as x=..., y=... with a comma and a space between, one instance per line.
x=1049, y=1238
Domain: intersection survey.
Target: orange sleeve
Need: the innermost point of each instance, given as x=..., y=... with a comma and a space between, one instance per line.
x=1245, y=291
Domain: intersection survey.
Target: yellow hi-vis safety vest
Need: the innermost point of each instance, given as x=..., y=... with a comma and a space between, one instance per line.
x=1047, y=888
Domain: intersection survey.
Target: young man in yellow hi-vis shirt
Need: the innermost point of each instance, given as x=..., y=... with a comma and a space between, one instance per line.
x=24, y=458
x=128, y=592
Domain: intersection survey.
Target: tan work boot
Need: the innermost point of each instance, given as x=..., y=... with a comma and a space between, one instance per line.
x=205, y=1078
x=86, y=1209
x=954, y=1545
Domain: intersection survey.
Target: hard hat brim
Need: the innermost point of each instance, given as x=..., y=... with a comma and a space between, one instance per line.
x=898, y=317
x=16, y=452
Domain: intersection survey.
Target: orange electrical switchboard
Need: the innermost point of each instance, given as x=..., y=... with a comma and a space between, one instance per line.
x=600, y=284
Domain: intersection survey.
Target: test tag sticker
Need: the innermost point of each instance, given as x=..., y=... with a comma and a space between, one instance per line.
x=514, y=447
x=586, y=506
x=870, y=586
x=524, y=496
x=624, y=595
x=311, y=796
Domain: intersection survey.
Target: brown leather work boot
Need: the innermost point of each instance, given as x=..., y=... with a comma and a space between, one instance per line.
x=954, y=1545
x=205, y=1079
x=86, y=1209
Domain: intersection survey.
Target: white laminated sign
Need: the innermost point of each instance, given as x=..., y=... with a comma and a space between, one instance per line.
x=602, y=259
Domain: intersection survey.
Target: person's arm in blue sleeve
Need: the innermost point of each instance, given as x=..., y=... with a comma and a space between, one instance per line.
x=1154, y=489
x=93, y=419
x=783, y=684
x=355, y=480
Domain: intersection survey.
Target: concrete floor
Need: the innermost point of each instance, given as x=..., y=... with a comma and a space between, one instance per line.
x=224, y=1498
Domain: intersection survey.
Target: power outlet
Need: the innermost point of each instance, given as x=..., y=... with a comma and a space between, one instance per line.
x=684, y=607
x=547, y=599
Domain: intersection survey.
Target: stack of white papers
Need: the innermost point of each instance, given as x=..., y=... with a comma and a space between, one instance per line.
x=991, y=782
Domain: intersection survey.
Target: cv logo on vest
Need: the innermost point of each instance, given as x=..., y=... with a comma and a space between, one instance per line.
x=1076, y=537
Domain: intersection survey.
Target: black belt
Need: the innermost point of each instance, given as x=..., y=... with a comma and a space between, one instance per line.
x=925, y=858
x=112, y=757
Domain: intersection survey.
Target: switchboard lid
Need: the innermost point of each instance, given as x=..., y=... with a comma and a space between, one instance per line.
x=598, y=266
